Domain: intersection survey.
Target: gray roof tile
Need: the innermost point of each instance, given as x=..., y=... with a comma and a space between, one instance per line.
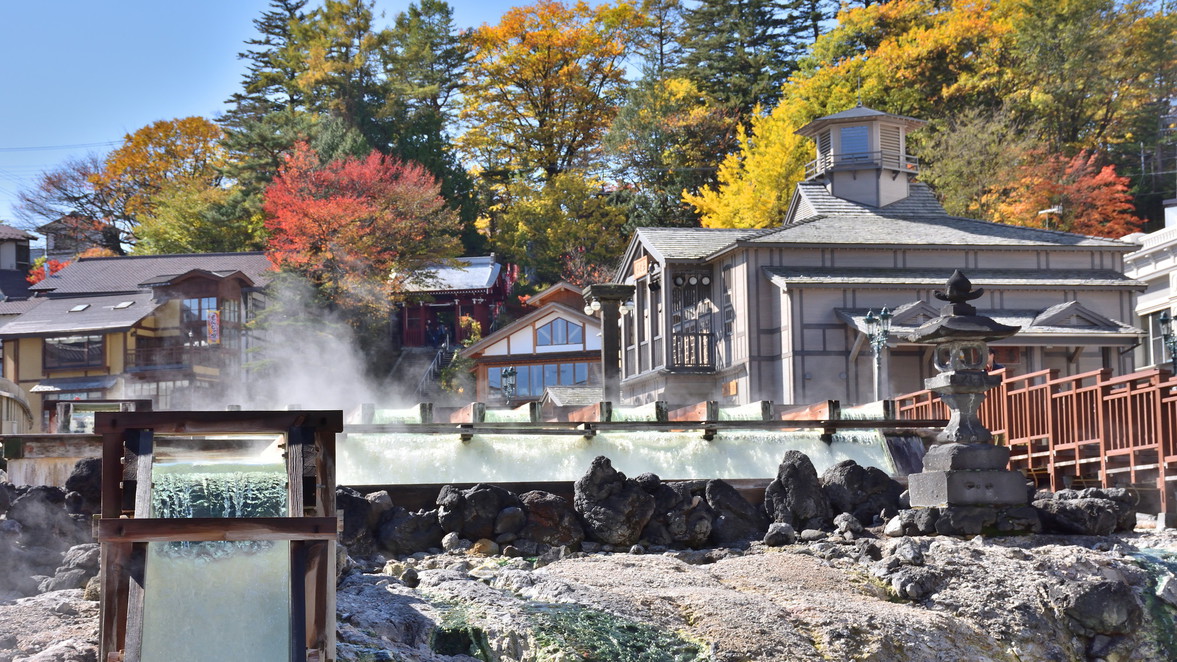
x=998, y=278
x=9, y=232
x=573, y=396
x=53, y=316
x=104, y=275
x=475, y=273
x=916, y=220
x=691, y=243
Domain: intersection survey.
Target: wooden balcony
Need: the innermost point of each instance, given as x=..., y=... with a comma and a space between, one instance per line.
x=174, y=358
x=692, y=351
x=859, y=160
x=1085, y=430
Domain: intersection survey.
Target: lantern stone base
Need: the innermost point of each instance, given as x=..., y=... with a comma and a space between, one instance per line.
x=970, y=457
x=990, y=487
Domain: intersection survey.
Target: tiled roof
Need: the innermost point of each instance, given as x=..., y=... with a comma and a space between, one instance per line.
x=1000, y=278
x=690, y=243
x=476, y=273
x=101, y=313
x=1029, y=323
x=573, y=396
x=18, y=307
x=126, y=274
x=916, y=220
x=9, y=232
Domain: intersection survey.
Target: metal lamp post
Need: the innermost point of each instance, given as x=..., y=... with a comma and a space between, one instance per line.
x=878, y=330
x=1170, y=340
x=508, y=381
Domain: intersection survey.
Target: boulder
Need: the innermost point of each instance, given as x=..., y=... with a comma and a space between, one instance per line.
x=864, y=492
x=965, y=520
x=550, y=520
x=402, y=532
x=614, y=508
x=681, y=517
x=1077, y=516
x=736, y=520
x=779, y=534
x=86, y=480
x=44, y=521
x=1098, y=607
x=356, y=510
x=472, y=513
x=795, y=496
x=913, y=522
x=1123, y=501
x=381, y=503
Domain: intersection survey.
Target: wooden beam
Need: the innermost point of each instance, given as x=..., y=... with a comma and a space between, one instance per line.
x=201, y=529
x=221, y=422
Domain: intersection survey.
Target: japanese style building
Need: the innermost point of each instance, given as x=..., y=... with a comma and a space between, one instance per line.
x=168, y=328
x=554, y=345
x=781, y=313
x=477, y=287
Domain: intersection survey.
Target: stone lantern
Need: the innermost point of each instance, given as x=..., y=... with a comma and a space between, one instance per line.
x=964, y=467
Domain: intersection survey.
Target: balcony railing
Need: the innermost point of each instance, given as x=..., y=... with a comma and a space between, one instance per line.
x=692, y=351
x=160, y=358
x=858, y=160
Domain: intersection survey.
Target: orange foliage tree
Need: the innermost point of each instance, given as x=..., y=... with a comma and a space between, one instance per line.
x=1093, y=199
x=358, y=229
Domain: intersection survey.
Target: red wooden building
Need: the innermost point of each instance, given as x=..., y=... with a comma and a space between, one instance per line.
x=477, y=288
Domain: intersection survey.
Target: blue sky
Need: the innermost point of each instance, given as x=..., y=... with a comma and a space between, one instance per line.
x=77, y=75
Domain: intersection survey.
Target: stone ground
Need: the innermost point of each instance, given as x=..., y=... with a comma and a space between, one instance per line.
x=934, y=598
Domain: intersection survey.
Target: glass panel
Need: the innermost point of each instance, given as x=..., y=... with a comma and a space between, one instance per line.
x=537, y=380
x=551, y=375
x=581, y=373
x=575, y=334
x=566, y=373
x=543, y=335
x=239, y=590
x=523, y=381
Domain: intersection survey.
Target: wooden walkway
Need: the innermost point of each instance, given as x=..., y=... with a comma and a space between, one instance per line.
x=1085, y=430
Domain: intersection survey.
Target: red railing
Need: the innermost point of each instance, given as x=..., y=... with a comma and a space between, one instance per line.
x=1080, y=430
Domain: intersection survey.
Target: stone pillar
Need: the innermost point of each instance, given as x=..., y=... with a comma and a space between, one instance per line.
x=964, y=468
x=609, y=296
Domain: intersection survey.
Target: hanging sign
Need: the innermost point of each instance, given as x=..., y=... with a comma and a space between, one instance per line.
x=214, y=327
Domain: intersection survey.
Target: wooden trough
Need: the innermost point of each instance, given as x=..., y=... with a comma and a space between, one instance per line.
x=130, y=444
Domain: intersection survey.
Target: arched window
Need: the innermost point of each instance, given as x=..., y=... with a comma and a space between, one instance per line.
x=559, y=332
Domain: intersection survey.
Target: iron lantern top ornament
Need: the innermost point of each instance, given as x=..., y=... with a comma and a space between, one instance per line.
x=959, y=321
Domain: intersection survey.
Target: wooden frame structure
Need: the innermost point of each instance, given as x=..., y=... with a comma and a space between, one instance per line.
x=311, y=524
x=1084, y=430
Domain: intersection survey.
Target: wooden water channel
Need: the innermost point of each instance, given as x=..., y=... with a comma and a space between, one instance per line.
x=1084, y=430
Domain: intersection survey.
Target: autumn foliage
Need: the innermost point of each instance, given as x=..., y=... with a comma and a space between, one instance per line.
x=359, y=229
x=1093, y=199
x=42, y=270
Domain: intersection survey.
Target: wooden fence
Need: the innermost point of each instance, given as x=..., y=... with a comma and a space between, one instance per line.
x=1085, y=430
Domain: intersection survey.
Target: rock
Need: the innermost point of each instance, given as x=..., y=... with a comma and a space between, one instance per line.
x=736, y=520
x=637, y=549
x=86, y=557
x=86, y=480
x=847, y=523
x=71, y=650
x=409, y=578
x=795, y=496
x=965, y=520
x=44, y=521
x=1098, y=607
x=1123, y=500
x=380, y=503
x=908, y=552
x=403, y=533
x=1167, y=589
x=1077, y=516
x=894, y=527
x=779, y=534
x=813, y=535
x=65, y=579
x=356, y=510
x=93, y=590
x=682, y=516
x=452, y=542
x=550, y=519
x=614, y=509
x=510, y=520
x=483, y=547
x=1019, y=520
x=472, y=513
x=864, y=492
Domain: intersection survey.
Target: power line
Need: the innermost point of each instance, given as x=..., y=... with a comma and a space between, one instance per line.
x=46, y=148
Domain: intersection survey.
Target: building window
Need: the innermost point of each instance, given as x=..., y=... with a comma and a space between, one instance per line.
x=194, y=318
x=531, y=380
x=74, y=352
x=855, y=142
x=1157, y=354
x=559, y=332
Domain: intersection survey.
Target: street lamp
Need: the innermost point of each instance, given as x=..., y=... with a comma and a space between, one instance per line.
x=878, y=329
x=508, y=381
x=1170, y=340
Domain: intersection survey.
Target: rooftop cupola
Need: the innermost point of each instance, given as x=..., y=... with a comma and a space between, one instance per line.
x=862, y=155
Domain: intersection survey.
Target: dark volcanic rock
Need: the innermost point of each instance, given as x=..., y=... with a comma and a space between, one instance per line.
x=736, y=520
x=795, y=496
x=472, y=513
x=682, y=516
x=1123, y=501
x=44, y=521
x=864, y=492
x=86, y=480
x=965, y=520
x=550, y=520
x=355, y=509
x=1098, y=607
x=614, y=508
x=1077, y=516
x=403, y=533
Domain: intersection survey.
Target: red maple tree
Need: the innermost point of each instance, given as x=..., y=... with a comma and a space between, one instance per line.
x=358, y=229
